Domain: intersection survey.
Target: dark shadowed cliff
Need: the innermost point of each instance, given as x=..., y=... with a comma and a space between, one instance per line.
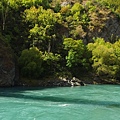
x=7, y=65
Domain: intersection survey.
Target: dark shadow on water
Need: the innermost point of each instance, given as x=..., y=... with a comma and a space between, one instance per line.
x=18, y=93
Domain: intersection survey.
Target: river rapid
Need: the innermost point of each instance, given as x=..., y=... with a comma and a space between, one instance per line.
x=92, y=102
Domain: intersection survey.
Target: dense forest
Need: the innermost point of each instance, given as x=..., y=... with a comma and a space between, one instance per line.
x=63, y=38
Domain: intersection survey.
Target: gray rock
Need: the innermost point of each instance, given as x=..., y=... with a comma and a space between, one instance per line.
x=71, y=82
x=76, y=82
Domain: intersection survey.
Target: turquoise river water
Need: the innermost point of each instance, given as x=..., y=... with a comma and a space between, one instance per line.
x=92, y=102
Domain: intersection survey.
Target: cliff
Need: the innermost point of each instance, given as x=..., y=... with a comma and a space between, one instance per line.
x=104, y=24
x=7, y=65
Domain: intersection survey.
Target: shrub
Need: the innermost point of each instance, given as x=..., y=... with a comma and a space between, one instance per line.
x=30, y=63
x=106, y=58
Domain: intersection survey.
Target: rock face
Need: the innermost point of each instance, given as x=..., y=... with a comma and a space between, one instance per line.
x=7, y=65
x=104, y=24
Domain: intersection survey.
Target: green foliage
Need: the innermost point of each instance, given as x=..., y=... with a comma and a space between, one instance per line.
x=77, y=7
x=114, y=5
x=15, y=4
x=30, y=63
x=32, y=14
x=50, y=57
x=76, y=52
x=65, y=10
x=51, y=63
x=37, y=3
x=34, y=64
x=106, y=58
x=57, y=7
x=116, y=47
x=90, y=7
x=43, y=25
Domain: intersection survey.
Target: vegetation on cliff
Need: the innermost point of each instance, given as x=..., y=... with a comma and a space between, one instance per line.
x=62, y=38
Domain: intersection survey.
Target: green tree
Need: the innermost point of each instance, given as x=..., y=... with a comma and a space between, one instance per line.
x=76, y=52
x=43, y=27
x=30, y=63
x=116, y=47
x=105, y=56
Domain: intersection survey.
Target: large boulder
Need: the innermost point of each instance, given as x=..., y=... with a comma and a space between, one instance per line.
x=7, y=65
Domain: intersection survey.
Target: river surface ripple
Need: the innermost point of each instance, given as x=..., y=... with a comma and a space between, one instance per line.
x=92, y=102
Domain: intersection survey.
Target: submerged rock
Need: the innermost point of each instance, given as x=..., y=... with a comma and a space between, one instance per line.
x=7, y=65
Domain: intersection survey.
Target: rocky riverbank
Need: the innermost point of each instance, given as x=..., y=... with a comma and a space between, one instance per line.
x=53, y=82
